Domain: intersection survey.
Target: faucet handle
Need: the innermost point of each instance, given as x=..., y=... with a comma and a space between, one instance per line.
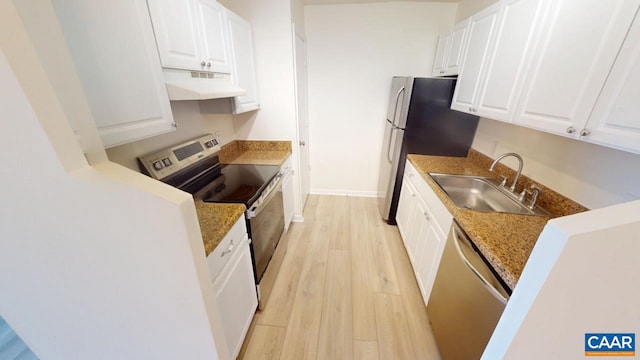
x=504, y=180
x=534, y=196
x=523, y=194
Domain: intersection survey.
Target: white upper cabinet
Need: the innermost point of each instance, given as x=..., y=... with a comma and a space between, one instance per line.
x=191, y=34
x=441, y=51
x=118, y=66
x=481, y=29
x=577, y=48
x=212, y=23
x=242, y=63
x=449, y=51
x=615, y=120
x=517, y=31
x=453, y=59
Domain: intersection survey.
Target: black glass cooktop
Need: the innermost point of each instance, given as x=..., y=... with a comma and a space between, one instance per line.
x=238, y=184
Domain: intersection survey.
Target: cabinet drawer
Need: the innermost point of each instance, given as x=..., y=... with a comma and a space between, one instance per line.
x=227, y=247
x=442, y=216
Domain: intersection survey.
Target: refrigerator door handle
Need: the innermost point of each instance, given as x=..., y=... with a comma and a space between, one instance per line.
x=389, y=155
x=395, y=107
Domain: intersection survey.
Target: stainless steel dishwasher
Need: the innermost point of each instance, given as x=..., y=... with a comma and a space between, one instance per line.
x=466, y=301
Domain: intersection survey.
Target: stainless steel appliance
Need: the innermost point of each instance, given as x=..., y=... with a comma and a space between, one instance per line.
x=466, y=301
x=419, y=121
x=194, y=167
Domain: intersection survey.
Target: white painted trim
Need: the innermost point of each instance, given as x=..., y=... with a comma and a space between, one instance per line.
x=298, y=218
x=356, y=193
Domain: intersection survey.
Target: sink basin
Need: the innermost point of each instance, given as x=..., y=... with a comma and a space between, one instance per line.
x=481, y=194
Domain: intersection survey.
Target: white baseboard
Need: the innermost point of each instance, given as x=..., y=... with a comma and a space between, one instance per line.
x=355, y=193
x=298, y=218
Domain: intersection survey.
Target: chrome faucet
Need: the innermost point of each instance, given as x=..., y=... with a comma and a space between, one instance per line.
x=515, y=180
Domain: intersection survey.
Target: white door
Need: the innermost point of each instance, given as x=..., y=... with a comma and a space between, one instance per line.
x=441, y=52
x=518, y=29
x=615, y=120
x=242, y=60
x=118, y=66
x=176, y=33
x=579, y=44
x=453, y=60
x=212, y=25
x=481, y=29
x=303, y=118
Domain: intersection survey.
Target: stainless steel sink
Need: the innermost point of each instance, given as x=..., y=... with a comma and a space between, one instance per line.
x=482, y=194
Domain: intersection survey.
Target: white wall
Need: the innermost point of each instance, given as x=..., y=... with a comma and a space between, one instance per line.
x=582, y=277
x=353, y=52
x=592, y=175
x=466, y=8
x=273, y=42
x=96, y=262
x=297, y=16
x=191, y=123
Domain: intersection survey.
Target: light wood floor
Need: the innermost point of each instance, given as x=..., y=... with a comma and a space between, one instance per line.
x=346, y=290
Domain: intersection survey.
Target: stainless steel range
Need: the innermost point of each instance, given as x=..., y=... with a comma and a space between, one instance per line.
x=194, y=167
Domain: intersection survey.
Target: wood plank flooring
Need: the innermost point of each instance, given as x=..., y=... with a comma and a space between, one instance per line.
x=346, y=290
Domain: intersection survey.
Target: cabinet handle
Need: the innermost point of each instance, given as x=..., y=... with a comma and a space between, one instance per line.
x=229, y=249
x=571, y=130
x=471, y=109
x=441, y=71
x=209, y=64
x=426, y=215
x=202, y=64
x=585, y=132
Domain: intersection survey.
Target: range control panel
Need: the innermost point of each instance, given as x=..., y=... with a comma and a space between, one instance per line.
x=165, y=162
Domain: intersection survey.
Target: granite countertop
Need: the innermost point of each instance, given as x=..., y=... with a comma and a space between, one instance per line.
x=215, y=221
x=255, y=152
x=505, y=240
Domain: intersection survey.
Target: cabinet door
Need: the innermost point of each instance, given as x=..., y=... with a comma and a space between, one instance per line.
x=118, y=65
x=453, y=59
x=212, y=25
x=578, y=46
x=406, y=204
x=237, y=298
x=420, y=230
x=242, y=62
x=433, y=241
x=518, y=29
x=441, y=50
x=615, y=120
x=481, y=29
x=176, y=33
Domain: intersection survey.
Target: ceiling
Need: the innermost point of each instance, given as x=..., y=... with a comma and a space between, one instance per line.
x=324, y=2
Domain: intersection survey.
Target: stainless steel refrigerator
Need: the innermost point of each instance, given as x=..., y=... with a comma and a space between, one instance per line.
x=419, y=121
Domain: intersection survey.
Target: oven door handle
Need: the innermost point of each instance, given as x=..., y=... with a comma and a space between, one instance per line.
x=255, y=210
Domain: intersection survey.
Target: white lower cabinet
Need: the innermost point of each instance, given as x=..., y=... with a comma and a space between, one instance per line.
x=234, y=285
x=421, y=218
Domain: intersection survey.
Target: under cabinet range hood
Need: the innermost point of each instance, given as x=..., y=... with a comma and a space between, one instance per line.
x=197, y=85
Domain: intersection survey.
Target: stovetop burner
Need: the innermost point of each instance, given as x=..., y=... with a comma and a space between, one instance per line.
x=239, y=184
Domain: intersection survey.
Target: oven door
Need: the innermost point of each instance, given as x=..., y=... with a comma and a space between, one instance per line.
x=266, y=223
